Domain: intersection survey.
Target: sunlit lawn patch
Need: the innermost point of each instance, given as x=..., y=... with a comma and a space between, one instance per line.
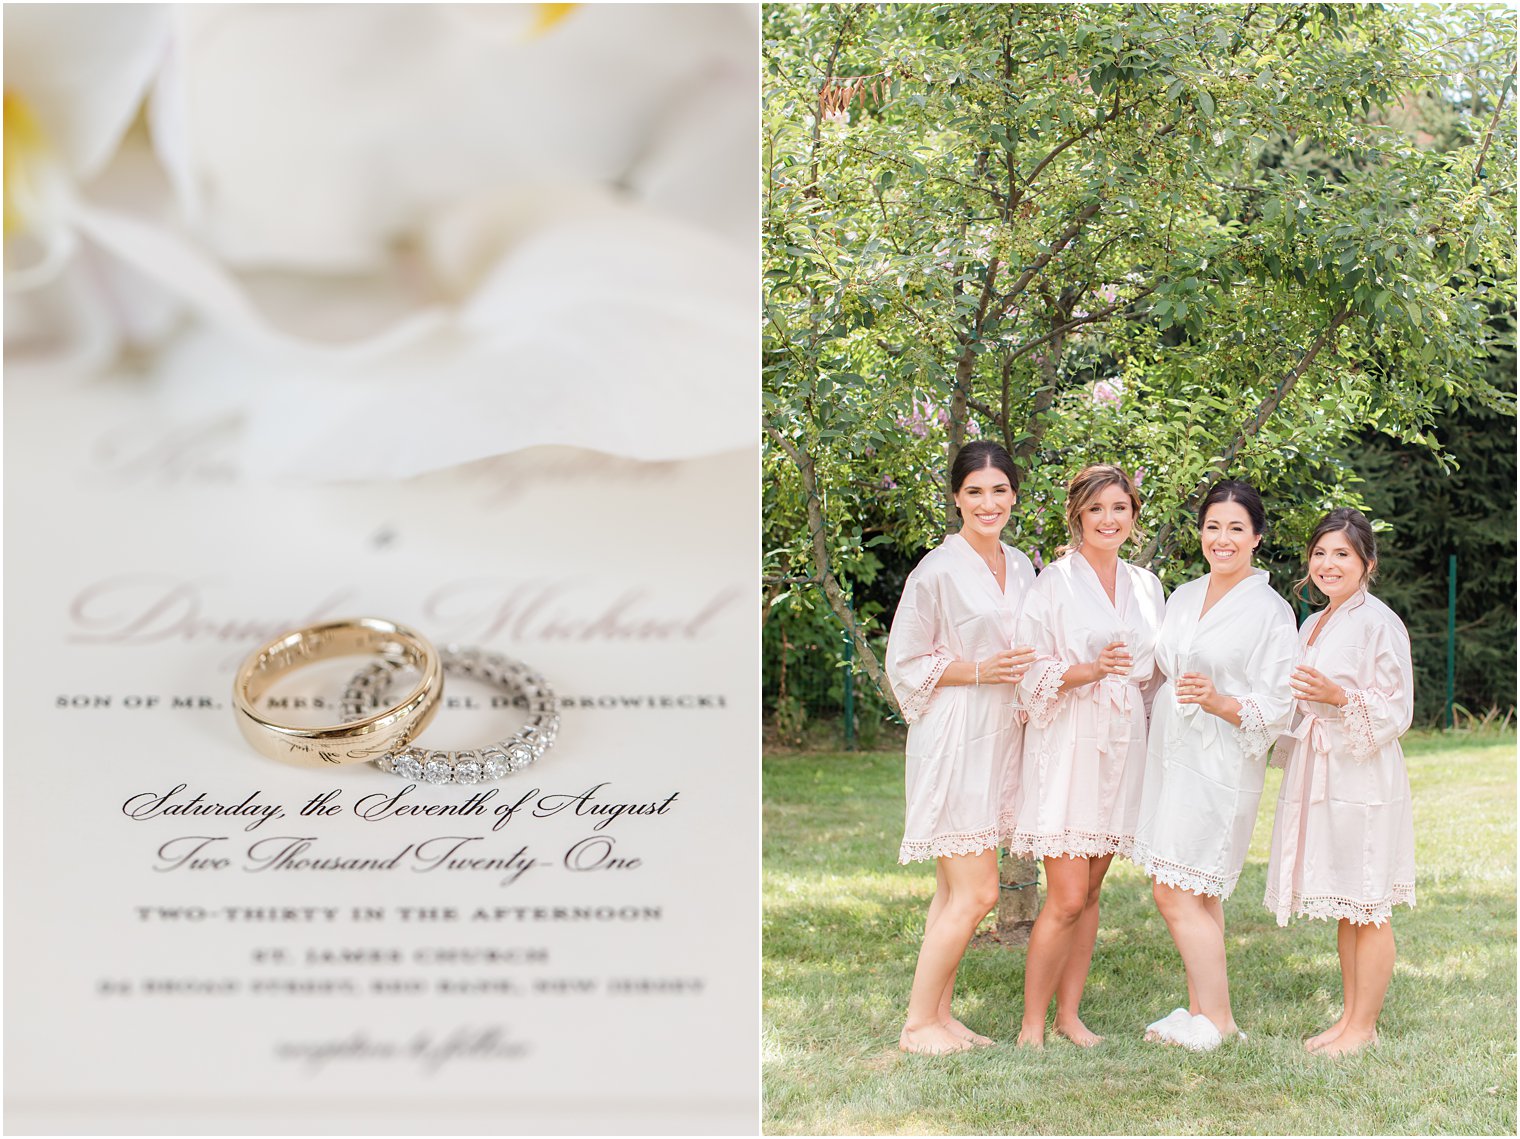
x=842, y=922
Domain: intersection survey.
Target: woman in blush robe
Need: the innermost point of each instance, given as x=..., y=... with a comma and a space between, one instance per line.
x=952, y=662
x=1092, y=619
x=1343, y=839
x=1227, y=647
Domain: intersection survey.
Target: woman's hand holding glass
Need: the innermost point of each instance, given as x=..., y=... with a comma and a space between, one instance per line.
x=1008, y=666
x=1312, y=685
x=1194, y=688
x=1114, y=660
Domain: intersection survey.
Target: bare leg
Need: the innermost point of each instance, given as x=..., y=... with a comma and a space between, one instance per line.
x=946, y=1017
x=1374, y=971
x=1345, y=947
x=1200, y=940
x=1079, y=962
x=1050, y=942
x=969, y=886
x=1215, y=909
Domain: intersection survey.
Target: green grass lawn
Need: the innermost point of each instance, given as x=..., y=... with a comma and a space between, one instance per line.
x=842, y=923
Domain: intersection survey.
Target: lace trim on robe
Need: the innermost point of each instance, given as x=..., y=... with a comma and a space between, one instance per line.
x=944, y=845
x=1069, y=844
x=1356, y=719
x=918, y=703
x=1041, y=705
x=1181, y=877
x=1323, y=907
x=1253, y=735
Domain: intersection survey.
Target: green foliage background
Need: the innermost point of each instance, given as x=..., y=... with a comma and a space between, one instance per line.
x=1274, y=241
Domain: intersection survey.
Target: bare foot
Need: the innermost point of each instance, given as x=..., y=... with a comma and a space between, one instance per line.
x=1078, y=1033
x=1347, y=1043
x=956, y=1028
x=1032, y=1037
x=1319, y=1040
x=931, y=1040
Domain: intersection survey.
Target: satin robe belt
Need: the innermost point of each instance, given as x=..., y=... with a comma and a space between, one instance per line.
x=1312, y=731
x=1113, y=695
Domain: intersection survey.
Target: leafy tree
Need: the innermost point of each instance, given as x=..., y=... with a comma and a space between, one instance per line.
x=1191, y=239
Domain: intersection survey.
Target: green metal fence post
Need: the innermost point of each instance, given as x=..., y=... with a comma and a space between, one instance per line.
x=1451, y=637
x=849, y=692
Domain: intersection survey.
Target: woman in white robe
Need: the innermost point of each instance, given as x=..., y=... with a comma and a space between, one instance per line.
x=1343, y=838
x=1226, y=650
x=952, y=661
x=1092, y=619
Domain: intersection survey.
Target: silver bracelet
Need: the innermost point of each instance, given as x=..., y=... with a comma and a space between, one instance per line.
x=978, y=674
x=480, y=765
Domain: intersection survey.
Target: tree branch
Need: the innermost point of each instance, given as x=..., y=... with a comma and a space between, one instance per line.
x=1160, y=543
x=964, y=365
x=1488, y=135
x=832, y=591
x=1000, y=420
x=1043, y=259
x=1096, y=126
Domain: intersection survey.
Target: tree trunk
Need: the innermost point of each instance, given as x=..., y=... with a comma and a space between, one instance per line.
x=1018, y=899
x=823, y=571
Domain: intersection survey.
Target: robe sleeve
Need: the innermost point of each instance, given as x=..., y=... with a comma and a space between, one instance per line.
x=1041, y=687
x=1267, y=708
x=1153, y=683
x=1377, y=715
x=916, y=652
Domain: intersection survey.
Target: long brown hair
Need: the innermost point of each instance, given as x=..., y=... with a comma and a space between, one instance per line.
x=1359, y=536
x=1085, y=486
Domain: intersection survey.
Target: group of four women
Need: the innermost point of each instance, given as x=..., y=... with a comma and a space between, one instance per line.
x=1081, y=714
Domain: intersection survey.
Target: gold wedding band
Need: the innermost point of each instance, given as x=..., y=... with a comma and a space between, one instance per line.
x=370, y=738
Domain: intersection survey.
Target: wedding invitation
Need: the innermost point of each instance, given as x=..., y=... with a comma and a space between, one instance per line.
x=202, y=940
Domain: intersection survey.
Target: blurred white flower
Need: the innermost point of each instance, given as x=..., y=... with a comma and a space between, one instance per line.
x=75, y=77
x=520, y=220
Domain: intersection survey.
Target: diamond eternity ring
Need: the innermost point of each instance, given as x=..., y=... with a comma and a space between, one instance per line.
x=480, y=765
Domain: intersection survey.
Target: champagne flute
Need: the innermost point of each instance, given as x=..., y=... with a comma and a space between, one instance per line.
x=1016, y=704
x=1186, y=662
x=1119, y=635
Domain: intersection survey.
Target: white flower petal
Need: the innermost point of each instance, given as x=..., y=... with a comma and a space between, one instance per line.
x=168, y=122
x=83, y=69
x=63, y=329
x=320, y=134
x=185, y=270
x=464, y=243
x=623, y=333
x=702, y=168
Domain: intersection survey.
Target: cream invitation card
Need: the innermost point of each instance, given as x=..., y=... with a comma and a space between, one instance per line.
x=202, y=940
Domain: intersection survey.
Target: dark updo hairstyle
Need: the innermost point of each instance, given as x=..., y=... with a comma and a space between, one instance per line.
x=1242, y=493
x=978, y=456
x=1359, y=536
x=1085, y=486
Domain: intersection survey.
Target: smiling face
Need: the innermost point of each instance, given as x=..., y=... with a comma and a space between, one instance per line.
x=1227, y=538
x=1108, y=519
x=985, y=499
x=1335, y=568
